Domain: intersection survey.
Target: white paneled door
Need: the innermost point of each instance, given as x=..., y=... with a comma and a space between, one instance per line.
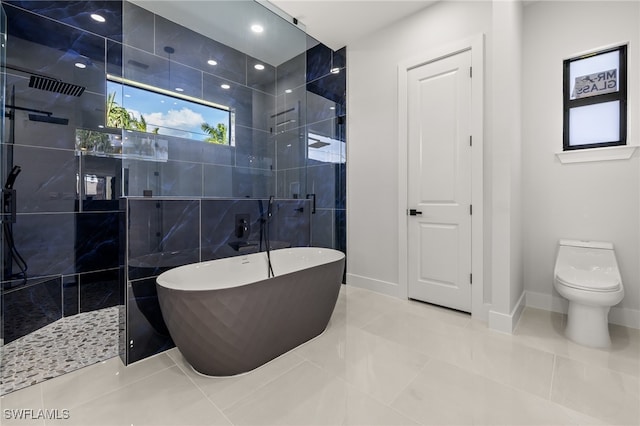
x=439, y=182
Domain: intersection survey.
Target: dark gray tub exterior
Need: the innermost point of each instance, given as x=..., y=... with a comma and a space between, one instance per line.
x=229, y=331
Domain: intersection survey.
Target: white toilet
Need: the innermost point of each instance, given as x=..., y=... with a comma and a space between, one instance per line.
x=587, y=274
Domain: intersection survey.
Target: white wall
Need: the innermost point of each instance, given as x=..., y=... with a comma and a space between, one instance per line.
x=506, y=249
x=530, y=199
x=372, y=179
x=594, y=200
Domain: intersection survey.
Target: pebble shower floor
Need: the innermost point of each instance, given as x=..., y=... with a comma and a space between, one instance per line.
x=60, y=347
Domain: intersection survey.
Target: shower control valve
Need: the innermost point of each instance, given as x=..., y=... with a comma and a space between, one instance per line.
x=242, y=226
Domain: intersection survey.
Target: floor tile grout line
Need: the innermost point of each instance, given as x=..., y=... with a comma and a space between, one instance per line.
x=526, y=342
x=300, y=361
x=600, y=367
x=521, y=344
x=405, y=387
x=362, y=326
x=389, y=342
x=119, y=388
x=553, y=376
x=373, y=397
x=390, y=405
x=512, y=387
x=206, y=397
x=366, y=394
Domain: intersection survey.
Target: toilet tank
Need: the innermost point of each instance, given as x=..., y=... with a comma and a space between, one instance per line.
x=587, y=256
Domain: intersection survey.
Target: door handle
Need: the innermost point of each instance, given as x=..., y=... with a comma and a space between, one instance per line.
x=414, y=212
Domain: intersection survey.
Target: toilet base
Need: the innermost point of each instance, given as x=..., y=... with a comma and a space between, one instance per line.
x=588, y=325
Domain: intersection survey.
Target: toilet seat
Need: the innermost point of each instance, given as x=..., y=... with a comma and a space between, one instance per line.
x=594, y=280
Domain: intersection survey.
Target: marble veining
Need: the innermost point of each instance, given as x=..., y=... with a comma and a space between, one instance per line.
x=29, y=306
x=46, y=32
x=78, y=14
x=318, y=62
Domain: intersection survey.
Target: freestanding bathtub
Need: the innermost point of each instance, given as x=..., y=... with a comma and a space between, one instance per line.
x=227, y=317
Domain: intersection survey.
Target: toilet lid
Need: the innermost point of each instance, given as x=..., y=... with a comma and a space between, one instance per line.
x=588, y=280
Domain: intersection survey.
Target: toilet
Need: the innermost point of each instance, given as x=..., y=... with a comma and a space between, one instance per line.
x=587, y=275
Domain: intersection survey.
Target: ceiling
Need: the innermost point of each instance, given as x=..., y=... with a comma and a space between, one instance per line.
x=229, y=22
x=337, y=23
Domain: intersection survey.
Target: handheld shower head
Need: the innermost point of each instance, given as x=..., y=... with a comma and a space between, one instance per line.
x=270, y=207
x=11, y=178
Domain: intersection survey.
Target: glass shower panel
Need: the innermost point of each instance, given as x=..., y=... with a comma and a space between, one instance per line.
x=3, y=38
x=206, y=53
x=3, y=58
x=60, y=250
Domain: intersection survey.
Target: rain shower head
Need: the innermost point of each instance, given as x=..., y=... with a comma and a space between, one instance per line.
x=54, y=85
x=48, y=119
x=50, y=84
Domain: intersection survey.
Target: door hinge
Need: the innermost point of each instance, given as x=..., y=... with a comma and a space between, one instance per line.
x=470, y=140
x=471, y=209
x=470, y=278
x=471, y=72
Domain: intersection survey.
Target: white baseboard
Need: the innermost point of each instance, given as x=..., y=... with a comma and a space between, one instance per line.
x=555, y=303
x=506, y=323
x=384, y=287
x=547, y=302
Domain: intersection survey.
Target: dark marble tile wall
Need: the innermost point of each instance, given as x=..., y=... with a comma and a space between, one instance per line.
x=163, y=234
x=324, y=169
x=69, y=240
x=319, y=103
x=257, y=99
x=31, y=306
x=76, y=14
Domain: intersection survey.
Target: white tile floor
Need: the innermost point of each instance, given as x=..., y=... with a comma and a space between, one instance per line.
x=382, y=361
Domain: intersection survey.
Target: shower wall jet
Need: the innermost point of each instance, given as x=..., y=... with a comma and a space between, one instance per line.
x=94, y=213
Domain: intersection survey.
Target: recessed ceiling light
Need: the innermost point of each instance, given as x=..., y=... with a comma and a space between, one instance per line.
x=257, y=28
x=100, y=126
x=179, y=89
x=259, y=67
x=80, y=65
x=212, y=62
x=335, y=70
x=127, y=95
x=225, y=86
x=332, y=108
x=98, y=18
x=288, y=91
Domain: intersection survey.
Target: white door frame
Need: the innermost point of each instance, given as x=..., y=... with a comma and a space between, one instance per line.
x=476, y=45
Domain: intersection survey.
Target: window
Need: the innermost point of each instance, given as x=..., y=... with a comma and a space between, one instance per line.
x=595, y=99
x=152, y=110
